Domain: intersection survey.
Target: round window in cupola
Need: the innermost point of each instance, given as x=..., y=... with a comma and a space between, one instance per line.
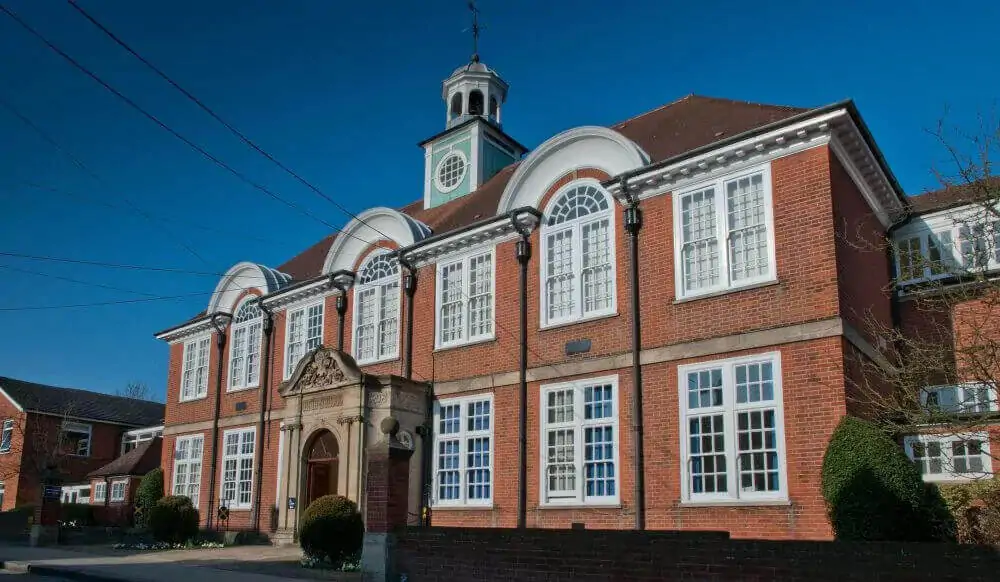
x=450, y=171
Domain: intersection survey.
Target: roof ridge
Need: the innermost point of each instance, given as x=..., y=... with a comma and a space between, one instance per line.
x=69, y=389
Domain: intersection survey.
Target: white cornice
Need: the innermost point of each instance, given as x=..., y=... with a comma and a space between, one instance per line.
x=494, y=231
x=194, y=328
x=294, y=295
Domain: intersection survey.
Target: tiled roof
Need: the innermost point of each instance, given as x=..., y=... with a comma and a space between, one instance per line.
x=955, y=195
x=671, y=130
x=141, y=460
x=76, y=403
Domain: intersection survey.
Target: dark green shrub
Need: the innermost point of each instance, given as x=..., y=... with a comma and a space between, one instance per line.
x=79, y=514
x=874, y=492
x=150, y=491
x=173, y=519
x=332, y=529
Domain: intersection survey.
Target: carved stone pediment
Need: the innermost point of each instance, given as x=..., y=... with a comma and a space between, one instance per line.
x=322, y=369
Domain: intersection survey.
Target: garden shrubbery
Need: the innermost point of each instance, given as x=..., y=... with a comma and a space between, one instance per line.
x=332, y=529
x=149, y=492
x=173, y=519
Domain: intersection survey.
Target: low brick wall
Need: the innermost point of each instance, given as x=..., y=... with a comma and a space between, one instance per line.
x=452, y=554
x=14, y=525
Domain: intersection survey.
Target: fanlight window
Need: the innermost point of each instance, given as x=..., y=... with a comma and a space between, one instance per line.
x=376, y=327
x=577, y=203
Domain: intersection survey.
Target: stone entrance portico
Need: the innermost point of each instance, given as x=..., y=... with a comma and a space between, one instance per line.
x=333, y=413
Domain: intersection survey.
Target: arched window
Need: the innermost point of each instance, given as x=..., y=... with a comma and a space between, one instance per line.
x=244, y=348
x=476, y=102
x=456, y=106
x=376, y=310
x=578, y=266
x=494, y=107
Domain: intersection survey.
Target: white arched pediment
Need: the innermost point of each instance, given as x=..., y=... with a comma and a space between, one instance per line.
x=581, y=147
x=243, y=277
x=367, y=228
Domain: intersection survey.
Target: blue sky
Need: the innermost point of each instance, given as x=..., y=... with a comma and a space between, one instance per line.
x=342, y=92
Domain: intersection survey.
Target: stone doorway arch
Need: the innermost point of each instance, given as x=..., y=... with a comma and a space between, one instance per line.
x=322, y=465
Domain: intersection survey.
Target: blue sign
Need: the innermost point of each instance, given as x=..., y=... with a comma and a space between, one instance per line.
x=291, y=503
x=51, y=492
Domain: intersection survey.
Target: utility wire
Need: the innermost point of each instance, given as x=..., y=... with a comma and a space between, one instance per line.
x=103, y=303
x=109, y=265
x=239, y=134
x=71, y=280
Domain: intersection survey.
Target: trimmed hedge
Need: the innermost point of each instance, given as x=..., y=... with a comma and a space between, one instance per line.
x=874, y=492
x=332, y=529
x=150, y=491
x=173, y=519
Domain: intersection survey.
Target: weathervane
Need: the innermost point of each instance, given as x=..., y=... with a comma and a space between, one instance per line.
x=475, y=30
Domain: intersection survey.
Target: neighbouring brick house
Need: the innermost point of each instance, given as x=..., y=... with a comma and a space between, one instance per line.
x=751, y=311
x=113, y=486
x=73, y=431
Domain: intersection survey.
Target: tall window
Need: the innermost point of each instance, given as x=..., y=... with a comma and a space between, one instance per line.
x=724, y=235
x=237, y=468
x=244, y=349
x=465, y=300
x=304, y=332
x=194, y=372
x=578, y=267
x=187, y=466
x=732, y=436
x=7, y=436
x=74, y=439
x=953, y=457
x=376, y=310
x=580, y=442
x=100, y=491
x=966, y=398
x=463, y=451
x=118, y=490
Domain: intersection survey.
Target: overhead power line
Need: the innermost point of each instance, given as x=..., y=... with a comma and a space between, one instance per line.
x=109, y=265
x=239, y=134
x=103, y=303
x=71, y=280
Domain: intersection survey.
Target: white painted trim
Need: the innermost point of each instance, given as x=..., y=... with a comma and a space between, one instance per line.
x=69, y=425
x=193, y=343
x=576, y=226
x=476, y=151
x=722, y=234
x=227, y=291
x=580, y=499
x=428, y=155
x=189, y=438
x=176, y=335
x=222, y=469
x=11, y=400
x=493, y=232
x=247, y=325
x=582, y=147
x=279, y=499
x=289, y=298
x=461, y=436
x=8, y=424
x=465, y=260
x=303, y=307
x=368, y=228
x=124, y=490
x=357, y=289
x=947, y=458
x=728, y=410
x=466, y=171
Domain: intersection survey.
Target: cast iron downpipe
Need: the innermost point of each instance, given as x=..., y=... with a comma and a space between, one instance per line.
x=220, y=342
x=265, y=382
x=410, y=288
x=523, y=253
x=341, y=304
x=633, y=224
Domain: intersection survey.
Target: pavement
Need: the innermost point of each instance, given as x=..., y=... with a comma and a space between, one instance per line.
x=104, y=564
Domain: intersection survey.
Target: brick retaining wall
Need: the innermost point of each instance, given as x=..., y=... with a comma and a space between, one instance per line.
x=452, y=554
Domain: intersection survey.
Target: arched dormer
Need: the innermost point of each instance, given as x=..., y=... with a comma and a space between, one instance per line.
x=244, y=277
x=369, y=227
x=582, y=147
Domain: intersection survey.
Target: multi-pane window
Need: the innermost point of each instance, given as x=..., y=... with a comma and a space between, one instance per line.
x=194, y=371
x=237, y=468
x=187, y=466
x=579, y=446
x=244, y=349
x=925, y=256
x=952, y=457
x=304, y=332
x=724, y=234
x=7, y=436
x=959, y=242
x=74, y=439
x=463, y=451
x=578, y=267
x=100, y=490
x=732, y=444
x=465, y=300
x=118, y=490
x=967, y=398
x=450, y=171
x=376, y=317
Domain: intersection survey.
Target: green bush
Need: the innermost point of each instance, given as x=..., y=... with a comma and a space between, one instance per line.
x=150, y=491
x=173, y=519
x=79, y=514
x=332, y=529
x=874, y=492
x=975, y=507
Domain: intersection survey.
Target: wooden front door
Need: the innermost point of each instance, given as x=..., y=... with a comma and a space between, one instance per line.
x=319, y=479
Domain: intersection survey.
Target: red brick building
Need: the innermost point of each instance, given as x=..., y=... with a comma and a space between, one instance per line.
x=64, y=432
x=748, y=301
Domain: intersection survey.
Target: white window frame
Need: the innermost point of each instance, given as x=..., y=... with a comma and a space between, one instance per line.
x=377, y=286
x=576, y=225
x=725, y=284
x=466, y=299
x=249, y=327
x=132, y=438
x=78, y=427
x=239, y=457
x=729, y=410
x=454, y=153
x=463, y=436
x=100, y=491
x=7, y=435
x=197, y=387
x=947, y=456
x=118, y=489
x=951, y=223
x=579, y=424
x=966, y=398
x=192, y=479
x=292, y=360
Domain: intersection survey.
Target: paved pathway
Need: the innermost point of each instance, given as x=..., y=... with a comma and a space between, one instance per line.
x=97, y=564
